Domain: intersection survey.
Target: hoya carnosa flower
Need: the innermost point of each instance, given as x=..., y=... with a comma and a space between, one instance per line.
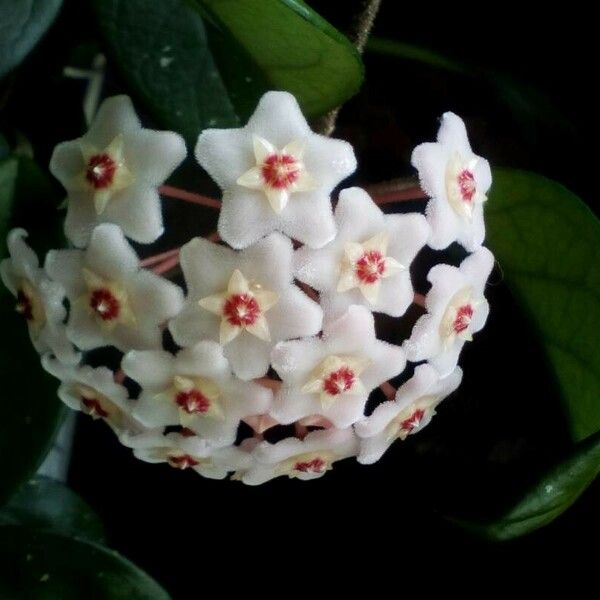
x=368, y=261
x=95, y=393
x=332, y=376
x=39, y=300
x=113, y=301
x=457, y=181
x=456, y=309
x=245, y=300
x=112, y=173
x=305, y=459
x=194, y=389
x=184, y=450
x=276, y=174
x=410, y=411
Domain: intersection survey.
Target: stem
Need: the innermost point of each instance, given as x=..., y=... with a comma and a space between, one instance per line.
x=179, y=194
x=157, y=258
x=415, y=193
x=419, y=300
x=166, y=265
x=389, y=390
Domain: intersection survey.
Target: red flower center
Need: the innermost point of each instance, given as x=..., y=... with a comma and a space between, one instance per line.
x=93, y=408
x=100, y=171
x=370, y=267
x=279, y=171
x=241, y=310
x=24, y=305
x=104, y=304
x=316, y=465
x=340, y=381
x=463, y=318
x=192, y=402
x=182, y=461
x=466, y=184
x=413, y=421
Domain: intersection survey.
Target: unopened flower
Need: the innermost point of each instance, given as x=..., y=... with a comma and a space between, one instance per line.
x=332, y=376
x=95, y=393
x=113, y=301
x=457, y=181
x=411, y=411
x=111, y=174
x=305, y=459
x=456, y=309
x=245, y=299
x=368, y=261
x=187, y=451
x=276, y=174
x=38, y=300
x=194, y=389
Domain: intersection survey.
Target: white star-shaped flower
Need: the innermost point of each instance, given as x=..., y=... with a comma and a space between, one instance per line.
x=112, y=173
x=457, y=181
x=112, y=300
x=456, y=309
x=194, y=389
x=187, y=451
x=245, y=300
x=276, y=174
x=305, y=459
x=40, y=301
x=95, y=393
x=411, y=410
x=368, y=261
x=332, y=376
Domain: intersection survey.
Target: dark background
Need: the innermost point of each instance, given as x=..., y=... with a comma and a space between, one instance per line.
x=490, y=439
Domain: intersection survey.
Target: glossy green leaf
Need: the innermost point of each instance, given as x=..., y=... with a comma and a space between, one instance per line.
x=549, y=497
x=162, y=50
x=48, y=505
x=547, y=243
x=42, y=565
x=293, y=48
x=22, y=24
x=30, y=412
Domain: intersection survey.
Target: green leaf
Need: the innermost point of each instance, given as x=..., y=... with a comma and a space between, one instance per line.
x=293, y=48
x=22, y=24
x=42, y=565
x=162, y=49
x=192, y=76
x=30, y=412
x=549, y=497
x=547, y=243
x=48, y=505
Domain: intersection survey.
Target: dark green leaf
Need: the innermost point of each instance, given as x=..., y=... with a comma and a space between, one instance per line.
x=4, y=147
x=548, y=498
x=547, y=242
x=30, y=411
x=48, y=505
x=40, y=565
x=292, y=47
x=162, y=49
x=22, y=24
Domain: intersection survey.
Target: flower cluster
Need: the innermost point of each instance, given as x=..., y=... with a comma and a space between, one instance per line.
x=266, y=358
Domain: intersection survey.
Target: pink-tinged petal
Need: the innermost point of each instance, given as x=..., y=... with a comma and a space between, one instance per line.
x=152, y=369
x=290, y=404
x=346, y=411
x=65, y=267
x=425, y=340
x=431, y=160
x=109, y=255
x=83, y=331
x=155, y=412
x=483, y=175
x=205, y=359
x=319, y=268
x=67, y=162
x=328, y=160
x=407, y=235
x=192, y=325
x=477, y=268
x=351, y=332
x=445, y=282
x=248, y=356
x=81, y=219
x=308, y=218
x=115, y=116
x=445, y=224
x=154, y=299
x=480, y=316
x=294, y=360
x=295, y=315
x=358, y=218
x=387, y=361
x=472, y=235
x=445, y=362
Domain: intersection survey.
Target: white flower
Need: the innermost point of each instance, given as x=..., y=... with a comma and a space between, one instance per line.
x=411, y=411
x=305, y=459
x=94, y=392
x=39, y=300
x=368, y=261
x=246, y=300
x=457, y=181
x=332, y=376
x=194, y=389
x=276, y=174
x=187, y=451
x=456, y=309
x=111, y=174
x=113, y=301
